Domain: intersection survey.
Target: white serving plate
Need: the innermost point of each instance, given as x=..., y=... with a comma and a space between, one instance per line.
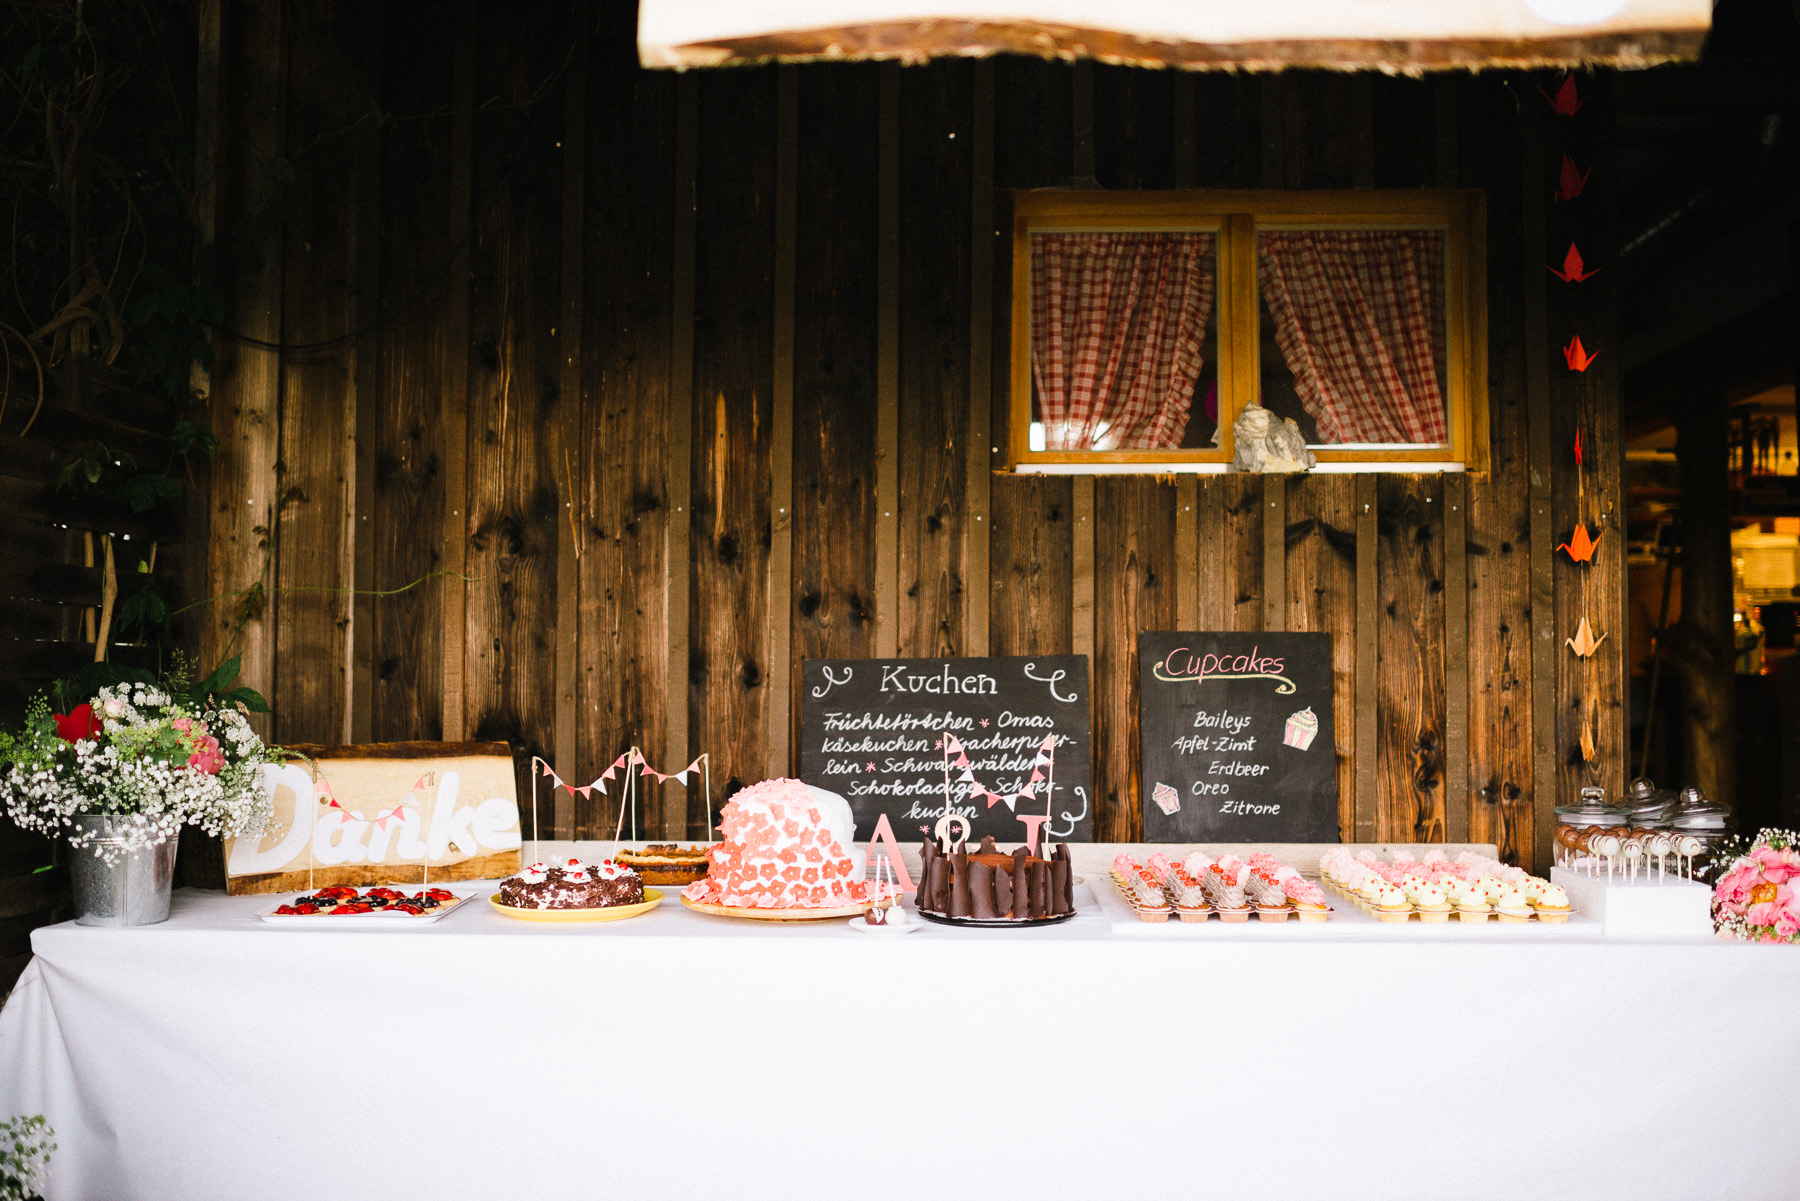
x=377, y=919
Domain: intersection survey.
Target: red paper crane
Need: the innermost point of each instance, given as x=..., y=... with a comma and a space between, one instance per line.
x=1573, y=268
x=1567, y=101
x=1572, y=181
x=1576, y=355
x=1581, y=545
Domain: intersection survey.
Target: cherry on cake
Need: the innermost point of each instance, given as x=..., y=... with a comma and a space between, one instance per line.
x=787, y=845
x=572, y=884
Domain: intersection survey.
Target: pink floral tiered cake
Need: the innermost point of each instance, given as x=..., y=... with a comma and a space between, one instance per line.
x=787, y=846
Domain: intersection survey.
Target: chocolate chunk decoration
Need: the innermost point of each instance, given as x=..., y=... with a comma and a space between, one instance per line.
x=987, y=846
x=937, y=885
x=960, y=905
x=1040, y=889
x=1059, y=886
x=981, y=891
x=1003, y=892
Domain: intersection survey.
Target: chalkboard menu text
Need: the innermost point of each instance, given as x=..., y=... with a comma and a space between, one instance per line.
x=1005, y=739
x=1237, y=738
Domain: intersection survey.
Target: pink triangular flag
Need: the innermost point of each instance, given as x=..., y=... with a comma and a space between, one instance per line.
x=1049, y=743
x=586, y=791
x=541, y=764
x=962, y=761
x=1037, y=776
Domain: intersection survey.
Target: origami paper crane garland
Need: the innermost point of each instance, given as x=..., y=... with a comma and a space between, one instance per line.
x=1572, y=180
x=1572, y=269
x=1567, y=101
x=1577, y=356
x=1581, y=545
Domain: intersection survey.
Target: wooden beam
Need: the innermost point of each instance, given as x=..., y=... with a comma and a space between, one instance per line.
x=365, y=398
x=780, y=585
x=1081, y=628
x=209, y=103
x=1543, y=535
x=980, y=449
x=887, y=369
x=1362, y=131
x=1274, y=550
x=571, y=468
x=680, y=466
x=1269, y=122
x=1187, y=552
x=1459, y=795
x=456, y=378
x=1186, y=135
x=1367, y=661
x=1082, y=110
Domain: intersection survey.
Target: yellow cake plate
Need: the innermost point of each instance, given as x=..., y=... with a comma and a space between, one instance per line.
x=609, y=913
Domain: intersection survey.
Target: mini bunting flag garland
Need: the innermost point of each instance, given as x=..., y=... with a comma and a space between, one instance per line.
x=1043, y=772
x=634, y=757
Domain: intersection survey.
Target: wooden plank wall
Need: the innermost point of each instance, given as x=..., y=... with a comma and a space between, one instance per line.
x=690, y=365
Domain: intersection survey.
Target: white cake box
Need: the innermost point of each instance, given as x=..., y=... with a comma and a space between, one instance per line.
x=1670, y=907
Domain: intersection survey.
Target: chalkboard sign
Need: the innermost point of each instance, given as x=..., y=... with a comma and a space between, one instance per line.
x=890, y=734
x=1237, y=738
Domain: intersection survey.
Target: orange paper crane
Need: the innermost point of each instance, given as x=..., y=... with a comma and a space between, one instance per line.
x=1567, y=101
x=1572, y=181
x=1572, y=269
x=1577, y=357
x=1582, y=545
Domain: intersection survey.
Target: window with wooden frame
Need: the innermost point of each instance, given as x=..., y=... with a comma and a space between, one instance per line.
x=1144, y=323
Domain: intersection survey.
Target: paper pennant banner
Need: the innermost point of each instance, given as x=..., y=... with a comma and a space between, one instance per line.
x=682, y=775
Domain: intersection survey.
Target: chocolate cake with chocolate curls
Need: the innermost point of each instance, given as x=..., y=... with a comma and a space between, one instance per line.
x=985, y=885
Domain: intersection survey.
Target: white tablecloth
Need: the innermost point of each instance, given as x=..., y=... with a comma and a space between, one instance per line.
x=217, y=1057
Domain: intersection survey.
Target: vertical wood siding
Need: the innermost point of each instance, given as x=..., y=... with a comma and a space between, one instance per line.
x=487, y=437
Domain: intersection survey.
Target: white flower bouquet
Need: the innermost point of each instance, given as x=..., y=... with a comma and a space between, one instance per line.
x=138, y=755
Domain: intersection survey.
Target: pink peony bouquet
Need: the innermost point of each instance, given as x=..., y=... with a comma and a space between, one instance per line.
x=1755, y=899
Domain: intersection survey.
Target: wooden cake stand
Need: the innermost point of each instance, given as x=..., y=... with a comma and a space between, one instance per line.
x=777, y=915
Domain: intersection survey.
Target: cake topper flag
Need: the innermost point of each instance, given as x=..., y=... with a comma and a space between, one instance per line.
x=1581, y=545
x=1573, y=268
x=1577, y=356
x=1567, y=101
x=1573, y=179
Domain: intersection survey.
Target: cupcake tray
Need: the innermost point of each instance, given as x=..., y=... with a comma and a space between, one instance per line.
x=1346, y=920
x=1454, y=917
x=1195, y=917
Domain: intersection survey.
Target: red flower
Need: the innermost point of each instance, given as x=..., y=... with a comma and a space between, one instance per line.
x=77, y=724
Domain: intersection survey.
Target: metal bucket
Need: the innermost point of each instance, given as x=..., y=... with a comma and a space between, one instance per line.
x=132, y=890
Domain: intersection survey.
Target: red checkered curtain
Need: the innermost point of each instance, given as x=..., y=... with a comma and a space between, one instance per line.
x=1117, y=323
x=1359, y=314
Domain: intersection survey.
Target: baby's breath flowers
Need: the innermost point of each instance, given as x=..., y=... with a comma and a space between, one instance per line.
x=139, y=757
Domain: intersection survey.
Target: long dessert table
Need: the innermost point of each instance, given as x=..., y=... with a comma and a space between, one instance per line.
x=216, y=1056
